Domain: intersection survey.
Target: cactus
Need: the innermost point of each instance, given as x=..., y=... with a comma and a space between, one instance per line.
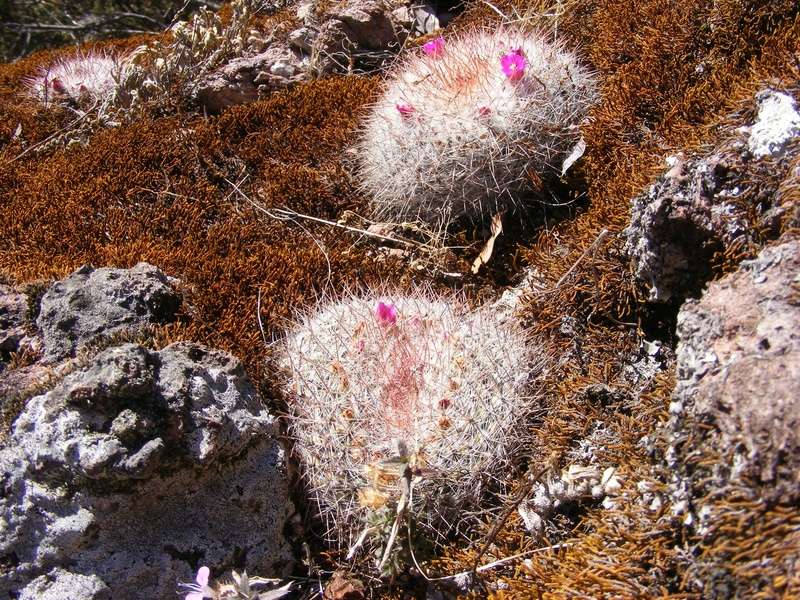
x=417, y=388
x=467, y=123
x=85, y=78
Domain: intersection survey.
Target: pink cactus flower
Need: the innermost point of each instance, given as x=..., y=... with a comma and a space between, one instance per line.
x=434, y=48
x=513, y=64
x=405, y=110
x=200, y=589
x=386, y=313
x=484, y=111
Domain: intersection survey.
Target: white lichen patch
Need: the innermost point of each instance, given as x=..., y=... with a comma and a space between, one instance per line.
x=778, y=121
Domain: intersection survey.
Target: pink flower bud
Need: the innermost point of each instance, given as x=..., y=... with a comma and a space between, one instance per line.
x=405, y=110
x=434, y=48
x=386, y=313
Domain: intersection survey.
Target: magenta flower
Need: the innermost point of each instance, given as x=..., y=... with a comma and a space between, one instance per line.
x=513, y=64
x=201, y=589
x=434, y=48
x=386, y=313
x=405, y=110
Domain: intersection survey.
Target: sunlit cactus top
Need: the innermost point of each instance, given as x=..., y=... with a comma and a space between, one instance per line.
x=468, y=121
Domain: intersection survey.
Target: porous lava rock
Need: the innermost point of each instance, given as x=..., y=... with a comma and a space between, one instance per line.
x=360, y=26
x=243, y=79
x=694, y=211
x=94, y=303
x=123, y=467
x=13, y=318
x=136, y=468
x=356, y=34
x=738, y=366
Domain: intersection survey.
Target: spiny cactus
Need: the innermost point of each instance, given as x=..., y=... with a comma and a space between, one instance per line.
x=415, y=390
x=467, y=122
x=85, y=78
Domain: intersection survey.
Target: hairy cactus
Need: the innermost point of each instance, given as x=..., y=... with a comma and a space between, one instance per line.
x=468, y=122
x=417, y=392
x=85, y=78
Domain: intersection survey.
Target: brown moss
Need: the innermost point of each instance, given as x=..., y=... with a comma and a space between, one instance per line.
x=670, y=75
x=157, y=191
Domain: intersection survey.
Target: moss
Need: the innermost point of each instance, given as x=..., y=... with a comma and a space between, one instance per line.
x=674, y=75
x=157, y=191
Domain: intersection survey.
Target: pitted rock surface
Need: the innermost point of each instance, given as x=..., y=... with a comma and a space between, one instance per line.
x=739, y=373
x=94, y=303
x=692, y=212
x=357, y=35
x=136, y=468
x=13, y=318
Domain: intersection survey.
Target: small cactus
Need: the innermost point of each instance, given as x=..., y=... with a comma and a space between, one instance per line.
x=417, y=388
x=84, y=78
x=467, y=122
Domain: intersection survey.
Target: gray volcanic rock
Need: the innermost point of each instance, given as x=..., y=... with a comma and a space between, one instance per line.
x=361, y=32
x=739, y=376
x=135, y=469
x=356, y=35
x=245, y=78
x=693, y=211
x=94, y=303
x=13, y=318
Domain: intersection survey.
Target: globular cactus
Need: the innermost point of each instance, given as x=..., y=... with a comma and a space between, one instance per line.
x=467, y=123
x=412, y=387
x=84, y=78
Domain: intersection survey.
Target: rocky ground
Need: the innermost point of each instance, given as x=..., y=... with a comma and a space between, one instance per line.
x=154, y=248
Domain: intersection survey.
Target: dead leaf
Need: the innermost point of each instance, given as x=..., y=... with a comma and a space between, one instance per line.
x=342, y=587
x=486, y=253
x=276, y=593
x=576, y=153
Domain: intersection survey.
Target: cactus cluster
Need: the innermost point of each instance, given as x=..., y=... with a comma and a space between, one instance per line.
x=415, y=387
x=467, y=123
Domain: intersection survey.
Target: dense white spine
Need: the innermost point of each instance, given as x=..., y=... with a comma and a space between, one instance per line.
x=414, y=381
x=85, y=77
x=467, y=122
